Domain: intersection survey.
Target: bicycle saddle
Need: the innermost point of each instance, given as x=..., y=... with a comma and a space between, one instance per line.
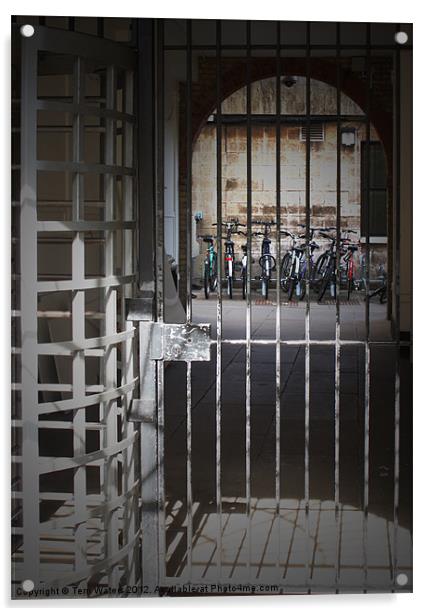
x=208, y=238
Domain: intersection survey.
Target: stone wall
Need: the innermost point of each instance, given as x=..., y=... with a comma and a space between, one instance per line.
x=293, y=177
x=323, y=71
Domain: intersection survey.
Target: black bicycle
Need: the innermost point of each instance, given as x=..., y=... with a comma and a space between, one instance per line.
x=231, y=228
x=244, y=265
x=294, y=266
x=266, y=260
x=326, y=265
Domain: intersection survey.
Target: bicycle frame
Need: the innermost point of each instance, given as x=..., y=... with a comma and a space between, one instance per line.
x=229, y=253
x=296, y=274
x=266, y=261
x=210, y=259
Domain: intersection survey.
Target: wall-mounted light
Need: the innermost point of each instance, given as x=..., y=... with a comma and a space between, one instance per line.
x=348, y=137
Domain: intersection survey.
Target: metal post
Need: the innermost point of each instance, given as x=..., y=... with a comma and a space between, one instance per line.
x=189, y=154
x=219, y=298
x=337, y=326
x=146, y=160
x=248, y=304
x=367, y=318
x=28, y=298
x=160, y=252
x=78, y=325
x=278, y=310
x=110, y=479
x=307, y=313
x=397, y=409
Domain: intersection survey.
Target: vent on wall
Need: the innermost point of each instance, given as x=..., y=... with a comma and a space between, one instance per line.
x=317, y=132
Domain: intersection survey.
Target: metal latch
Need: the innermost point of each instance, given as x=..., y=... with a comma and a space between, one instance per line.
x=167, y=342
x=180, y=341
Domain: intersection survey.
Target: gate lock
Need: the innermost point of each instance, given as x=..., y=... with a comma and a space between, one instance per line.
x=162, y=341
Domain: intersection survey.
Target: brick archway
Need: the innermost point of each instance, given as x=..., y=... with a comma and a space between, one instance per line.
x=234, y=77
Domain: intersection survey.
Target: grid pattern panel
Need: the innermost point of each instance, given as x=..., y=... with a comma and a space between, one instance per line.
x=76, y=463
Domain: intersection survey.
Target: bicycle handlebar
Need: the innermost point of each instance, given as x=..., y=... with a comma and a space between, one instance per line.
x=230, y=223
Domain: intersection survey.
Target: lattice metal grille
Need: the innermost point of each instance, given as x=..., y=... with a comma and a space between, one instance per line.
x=75, y=468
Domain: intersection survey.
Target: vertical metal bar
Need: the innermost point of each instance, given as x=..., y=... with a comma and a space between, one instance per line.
x=150, y=467
x=110, y=358
x=127, y=359
x=307, y=311
x=248, y=302
x=337, y=324
x=160, y=251
x=367, y=315
x=146, y=162
x=78, y=325
x=189, y=94
x=219, y=297
x=189, y=155
x=278, y=313
x=397, y=306
x=28, y=305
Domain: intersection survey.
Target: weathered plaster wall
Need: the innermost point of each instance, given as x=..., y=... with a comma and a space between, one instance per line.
x=293, y=167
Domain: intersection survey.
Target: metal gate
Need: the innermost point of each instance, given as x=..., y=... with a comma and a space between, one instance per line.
x=257, y=445
x=75, y=463
x=217, y=529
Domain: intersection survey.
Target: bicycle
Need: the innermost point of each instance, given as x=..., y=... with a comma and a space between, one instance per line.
x=266, y=260
x=244, y=265
x=210, y=266
x=382, y=290
x=325, y=273
x=293, y=270
x=347, y=265
x=229, y=254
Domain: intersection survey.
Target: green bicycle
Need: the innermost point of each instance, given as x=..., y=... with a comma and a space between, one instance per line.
x=210, y=266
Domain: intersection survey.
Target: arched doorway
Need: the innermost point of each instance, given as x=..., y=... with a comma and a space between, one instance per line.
x=322, y=71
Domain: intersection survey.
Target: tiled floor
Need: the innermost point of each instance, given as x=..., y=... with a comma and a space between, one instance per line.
x=277, y=546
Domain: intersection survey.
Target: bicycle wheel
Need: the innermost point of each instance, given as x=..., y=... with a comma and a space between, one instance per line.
x=320, y=268
x=207, y=281
x=324, y=282
x=213, y=277
x=349, y=288
x=290, y=287
x=383, y=295
x=244, y=284
x=303, y=288
x=230, y=287
x=265, y=288
x=285, y=271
